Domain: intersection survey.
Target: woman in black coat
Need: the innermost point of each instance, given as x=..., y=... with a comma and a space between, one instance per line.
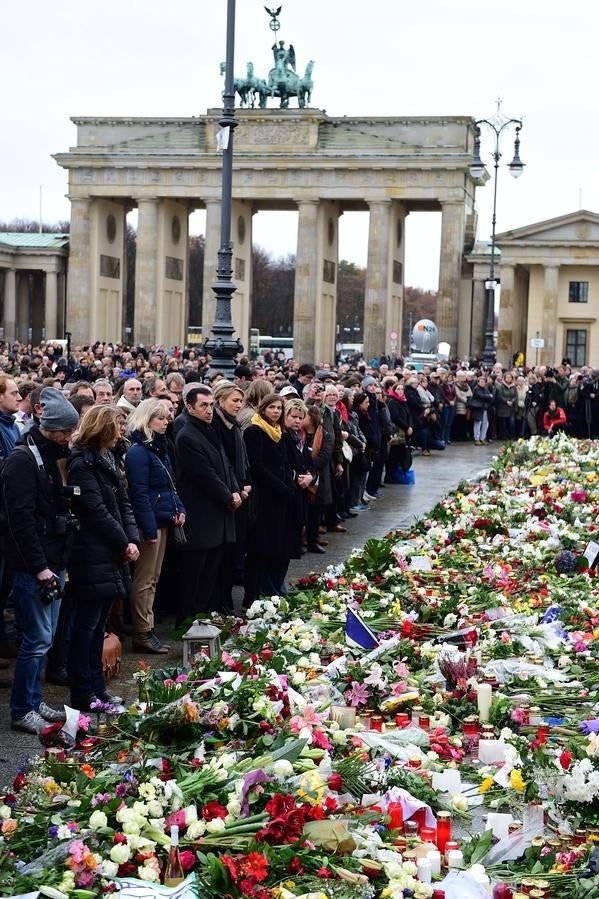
x=268, y=543
x=103, y=548
x=299, y=459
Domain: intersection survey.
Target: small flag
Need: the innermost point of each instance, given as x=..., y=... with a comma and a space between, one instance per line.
x=357, y=633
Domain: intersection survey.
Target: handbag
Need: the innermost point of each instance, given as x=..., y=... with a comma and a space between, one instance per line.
x=111, y=656
x=176, y=535
x=399, y=438
x=347, y=451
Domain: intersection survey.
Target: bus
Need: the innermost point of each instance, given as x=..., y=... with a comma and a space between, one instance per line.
x=260, y=343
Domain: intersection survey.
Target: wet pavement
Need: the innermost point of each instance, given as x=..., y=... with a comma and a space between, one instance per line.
x=398, y=507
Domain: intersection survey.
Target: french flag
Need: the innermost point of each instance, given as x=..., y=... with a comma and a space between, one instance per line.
x=357, y=633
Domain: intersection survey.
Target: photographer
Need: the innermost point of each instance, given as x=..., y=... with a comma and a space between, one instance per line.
x=38, y=536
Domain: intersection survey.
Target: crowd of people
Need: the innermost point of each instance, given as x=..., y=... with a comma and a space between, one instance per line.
x=134, y=481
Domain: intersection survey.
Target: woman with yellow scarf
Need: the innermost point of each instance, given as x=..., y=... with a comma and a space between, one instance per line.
x=269, y=550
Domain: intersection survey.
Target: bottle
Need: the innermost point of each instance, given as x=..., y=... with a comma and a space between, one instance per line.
x=173, y=873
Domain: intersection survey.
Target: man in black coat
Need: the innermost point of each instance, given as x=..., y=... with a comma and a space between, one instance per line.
x=210, y=493
x=37, y=540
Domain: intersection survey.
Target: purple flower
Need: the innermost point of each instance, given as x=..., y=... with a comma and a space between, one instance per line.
x=250, y=780
x=121, y=790
x=358, y=695
x=53, y=831
x=100, y=799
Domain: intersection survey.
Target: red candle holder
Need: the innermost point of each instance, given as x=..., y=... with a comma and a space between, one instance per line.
x=395, y=812
x=443, y=830
x=402, y=719
x=428, y=834
x=419, y=817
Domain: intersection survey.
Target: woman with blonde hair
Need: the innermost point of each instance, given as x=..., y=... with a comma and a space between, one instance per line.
x=252, y=398
x=103, y=548
x=156, y=505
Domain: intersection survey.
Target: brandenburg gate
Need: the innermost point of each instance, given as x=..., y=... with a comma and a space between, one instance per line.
x=300, y=159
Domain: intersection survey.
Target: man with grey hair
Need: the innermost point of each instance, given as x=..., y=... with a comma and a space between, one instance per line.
x=103, y=392
x=154, y=388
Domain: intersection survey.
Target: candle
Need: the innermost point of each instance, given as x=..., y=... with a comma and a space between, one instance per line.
x=425, y=873
x=344, y=716
x=484, y=697
x=419, y=817
x=434, y=857
x=395, y=812
x=455, y=859
x=428, y=834
x=443, y=830
x=402, y=719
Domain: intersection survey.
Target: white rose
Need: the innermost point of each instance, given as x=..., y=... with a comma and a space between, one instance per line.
x=4, y=811
x=196, y=829
x=340, y=737
x=305, y=645
x=108, y=868
x=282, y=768
x=298, y=677
x=97, y=819
x=234, y=808
x=149, y=873
x=217, y=825
x=155, y=809
x=120, y=853
x=191, y=814
x=460, y=802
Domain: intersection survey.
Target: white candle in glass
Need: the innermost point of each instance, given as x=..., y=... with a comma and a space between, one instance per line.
x=484, y=697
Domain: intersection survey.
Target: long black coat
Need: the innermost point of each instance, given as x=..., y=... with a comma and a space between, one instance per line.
x=300, y=462
x=96, y=568
x=274, y=493
x=206, y=484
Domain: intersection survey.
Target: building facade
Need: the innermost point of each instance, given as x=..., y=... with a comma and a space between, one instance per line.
x=549, y=277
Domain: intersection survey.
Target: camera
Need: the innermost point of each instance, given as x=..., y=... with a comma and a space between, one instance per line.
x=51, y=591
x=67, y=524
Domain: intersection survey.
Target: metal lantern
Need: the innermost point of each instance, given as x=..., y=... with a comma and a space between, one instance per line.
x=201, y=637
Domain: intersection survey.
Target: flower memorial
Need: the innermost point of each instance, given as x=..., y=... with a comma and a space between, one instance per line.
x=456, y=754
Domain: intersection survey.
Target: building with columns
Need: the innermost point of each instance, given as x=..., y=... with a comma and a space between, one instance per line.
x=33, y=271
x=298, y=159
x=549, y=278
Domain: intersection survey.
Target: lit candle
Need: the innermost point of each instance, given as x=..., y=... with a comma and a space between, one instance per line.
x=484, y=697
x=395, y=812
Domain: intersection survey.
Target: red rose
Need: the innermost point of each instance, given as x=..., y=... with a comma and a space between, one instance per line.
x=335, y=782
x=188, y=859
x=119, y=838
x=212, y=810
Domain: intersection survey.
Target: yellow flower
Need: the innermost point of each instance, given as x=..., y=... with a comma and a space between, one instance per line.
x=516, y=780
x=486, y=785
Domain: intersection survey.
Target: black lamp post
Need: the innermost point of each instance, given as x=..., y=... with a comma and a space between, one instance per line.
x=220, y=345
x=497, y=124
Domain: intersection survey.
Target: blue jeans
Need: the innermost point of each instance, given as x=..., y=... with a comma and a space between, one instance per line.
x=84, y=663
x=447, y=417
x=37, y=622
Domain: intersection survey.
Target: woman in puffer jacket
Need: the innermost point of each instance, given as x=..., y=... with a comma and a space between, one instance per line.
x=156, y=505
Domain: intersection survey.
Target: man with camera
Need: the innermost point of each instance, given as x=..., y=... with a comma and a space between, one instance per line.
x=38, y=536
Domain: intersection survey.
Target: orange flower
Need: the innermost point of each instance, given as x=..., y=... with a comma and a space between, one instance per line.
x=9, y=826
x=88, y=771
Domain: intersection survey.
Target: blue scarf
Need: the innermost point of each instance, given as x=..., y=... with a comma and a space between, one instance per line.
x=9, y=433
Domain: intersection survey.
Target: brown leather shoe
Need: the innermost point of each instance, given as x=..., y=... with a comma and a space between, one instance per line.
x=322, y=529
x=338, y=529
x=322, y=542
x=149, y=643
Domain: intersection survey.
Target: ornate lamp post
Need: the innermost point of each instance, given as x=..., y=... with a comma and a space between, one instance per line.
x=497, y=124
x=220, y=345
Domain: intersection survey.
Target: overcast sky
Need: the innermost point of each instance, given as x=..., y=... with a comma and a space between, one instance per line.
x=387, y=57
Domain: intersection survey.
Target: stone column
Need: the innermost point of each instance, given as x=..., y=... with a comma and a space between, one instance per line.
x=10, y=304
x=507, y=322
x=146, y=299
x=211, y=248
x=306, y=282
x=23, y=307
x=377, y=279
x=241, y=235
x=37, y=307
x=79, y=296
x=549, y=319
x=453, y=216
x=51, y=312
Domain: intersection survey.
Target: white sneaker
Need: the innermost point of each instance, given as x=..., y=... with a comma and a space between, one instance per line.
x=369, y=497
x=50, y=714
x=31, y=723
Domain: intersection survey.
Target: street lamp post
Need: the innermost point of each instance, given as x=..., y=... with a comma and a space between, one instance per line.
x=220, y=345
x=497, y=124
